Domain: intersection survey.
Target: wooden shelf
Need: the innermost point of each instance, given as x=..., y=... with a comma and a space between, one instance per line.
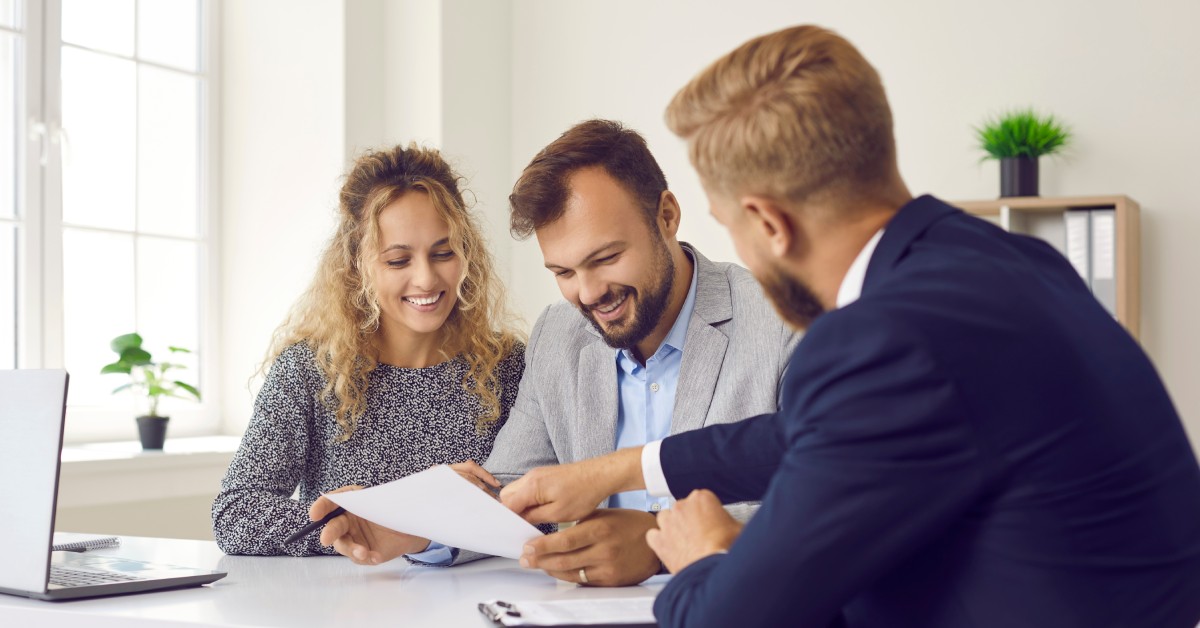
x=1042, y=217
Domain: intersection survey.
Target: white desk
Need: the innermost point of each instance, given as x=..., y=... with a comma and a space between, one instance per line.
x=318, y=591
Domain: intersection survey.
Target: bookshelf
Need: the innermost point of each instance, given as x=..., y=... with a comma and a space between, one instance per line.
x=1049, y=219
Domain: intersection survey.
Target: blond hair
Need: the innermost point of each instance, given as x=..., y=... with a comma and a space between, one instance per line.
x=338, y=315
x=794, y=114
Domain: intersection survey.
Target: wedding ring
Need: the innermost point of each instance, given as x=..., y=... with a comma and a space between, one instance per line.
x=583, y=575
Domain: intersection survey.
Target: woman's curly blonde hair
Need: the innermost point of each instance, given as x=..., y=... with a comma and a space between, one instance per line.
x=338, y=315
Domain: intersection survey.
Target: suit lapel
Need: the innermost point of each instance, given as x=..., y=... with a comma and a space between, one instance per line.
x=596, y=401
x=704, y=346
x=703, y=353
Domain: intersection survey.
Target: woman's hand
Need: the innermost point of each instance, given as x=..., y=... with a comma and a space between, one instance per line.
x=361, y=541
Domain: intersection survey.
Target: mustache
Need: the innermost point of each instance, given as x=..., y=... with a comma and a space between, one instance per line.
x=610, y=297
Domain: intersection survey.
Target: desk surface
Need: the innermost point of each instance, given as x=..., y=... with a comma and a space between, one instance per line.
x=318, y=591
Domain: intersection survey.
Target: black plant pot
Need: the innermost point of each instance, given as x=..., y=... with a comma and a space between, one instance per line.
x=1018, y=176
x=152, y=431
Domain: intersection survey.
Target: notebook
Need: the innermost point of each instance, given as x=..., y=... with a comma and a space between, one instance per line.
x=85, y=544
x=31, y=420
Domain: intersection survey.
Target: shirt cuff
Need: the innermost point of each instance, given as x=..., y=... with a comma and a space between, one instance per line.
x=652, y=473
x=435, y=554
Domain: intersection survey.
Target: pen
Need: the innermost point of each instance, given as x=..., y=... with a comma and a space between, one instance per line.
x=303, y=532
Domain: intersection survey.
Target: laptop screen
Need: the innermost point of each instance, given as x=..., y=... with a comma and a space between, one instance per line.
x=31, y=425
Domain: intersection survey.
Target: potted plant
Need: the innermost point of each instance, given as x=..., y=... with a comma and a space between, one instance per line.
x=1017, y=138
x=148, y=378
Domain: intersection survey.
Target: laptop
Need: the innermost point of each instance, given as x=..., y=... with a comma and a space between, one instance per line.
x=32, y=411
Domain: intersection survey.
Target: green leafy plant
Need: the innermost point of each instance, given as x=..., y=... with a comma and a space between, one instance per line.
x=147, y=377
x=1022, y=133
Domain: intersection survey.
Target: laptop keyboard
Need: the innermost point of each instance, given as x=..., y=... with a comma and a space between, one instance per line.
x=67, y=577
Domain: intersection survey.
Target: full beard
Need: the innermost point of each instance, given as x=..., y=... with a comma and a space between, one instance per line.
x=793, y=300
x=649, y=306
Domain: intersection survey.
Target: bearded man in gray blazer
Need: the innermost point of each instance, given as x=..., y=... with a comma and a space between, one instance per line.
x=652, y=339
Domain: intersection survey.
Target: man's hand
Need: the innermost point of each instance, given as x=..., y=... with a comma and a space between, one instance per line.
x=610, y=545
x=477, y=475
x=361, y=541
x=569, y=492
x=692, y=529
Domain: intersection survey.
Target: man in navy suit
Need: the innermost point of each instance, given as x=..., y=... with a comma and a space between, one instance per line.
x=966, y=437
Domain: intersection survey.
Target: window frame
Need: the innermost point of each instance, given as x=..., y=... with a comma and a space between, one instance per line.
x=40, y=319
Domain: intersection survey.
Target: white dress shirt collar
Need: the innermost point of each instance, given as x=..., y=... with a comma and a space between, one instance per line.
x=852, y=283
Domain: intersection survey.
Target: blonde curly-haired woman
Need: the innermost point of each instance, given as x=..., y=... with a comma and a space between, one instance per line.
x=398, y=357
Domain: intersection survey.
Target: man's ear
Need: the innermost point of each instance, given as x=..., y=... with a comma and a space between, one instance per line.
x=771, y=221
x=668, y=214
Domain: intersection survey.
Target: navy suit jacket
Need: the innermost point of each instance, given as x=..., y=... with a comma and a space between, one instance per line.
x=973, y=442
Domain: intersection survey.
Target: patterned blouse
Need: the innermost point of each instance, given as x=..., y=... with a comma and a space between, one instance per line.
x=415, y=418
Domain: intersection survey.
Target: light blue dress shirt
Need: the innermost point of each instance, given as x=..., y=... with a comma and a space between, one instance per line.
x=647, y=400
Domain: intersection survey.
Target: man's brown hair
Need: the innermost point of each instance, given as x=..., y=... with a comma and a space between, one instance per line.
x=539, y=196
x=798, y=114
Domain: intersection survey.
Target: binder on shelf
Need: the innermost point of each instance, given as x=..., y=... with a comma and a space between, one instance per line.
x=1079, y=242
x=1091, y=248
x=1103, y=258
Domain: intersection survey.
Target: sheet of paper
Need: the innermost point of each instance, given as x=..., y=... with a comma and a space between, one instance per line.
x=440, y=505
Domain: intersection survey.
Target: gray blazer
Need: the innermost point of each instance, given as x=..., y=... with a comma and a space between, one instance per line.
x=734, y=355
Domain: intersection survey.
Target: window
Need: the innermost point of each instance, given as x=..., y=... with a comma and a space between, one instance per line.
x=112, y=232
x=12, y=90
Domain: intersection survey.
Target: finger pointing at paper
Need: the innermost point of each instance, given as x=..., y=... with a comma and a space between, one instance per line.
x=569, y=492
x=552, y=494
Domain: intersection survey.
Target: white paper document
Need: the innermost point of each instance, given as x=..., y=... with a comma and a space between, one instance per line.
x=632, y=611
x=441, y=506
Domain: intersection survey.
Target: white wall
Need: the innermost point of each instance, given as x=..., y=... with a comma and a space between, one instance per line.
x=307, y=85
x=282, y=151
x=365, y=93
x=478, y=105
x=447, y=76
x=1126, y=76
x=187, y=517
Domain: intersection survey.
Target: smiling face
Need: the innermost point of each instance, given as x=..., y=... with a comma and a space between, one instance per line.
x=608, y=260
x=416, y=274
